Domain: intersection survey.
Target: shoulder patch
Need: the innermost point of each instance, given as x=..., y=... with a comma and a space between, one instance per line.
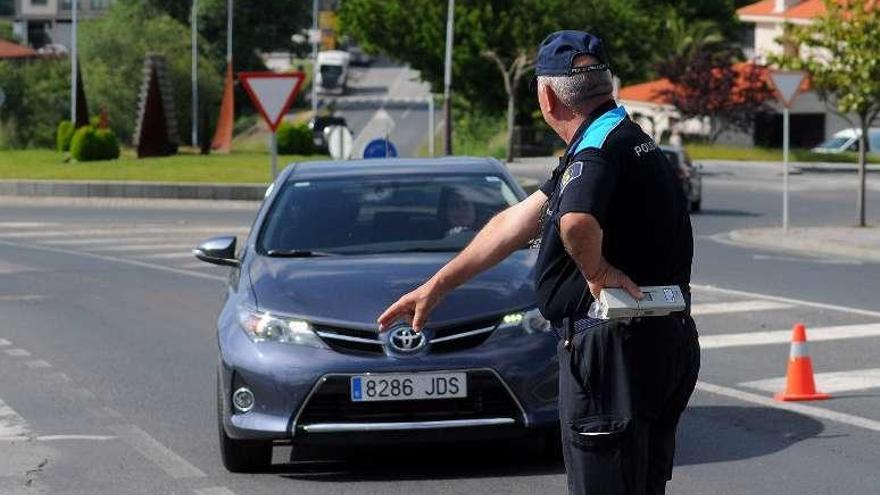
x=571, y=173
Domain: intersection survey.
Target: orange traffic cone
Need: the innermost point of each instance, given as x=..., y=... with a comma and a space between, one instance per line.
x=799, y=382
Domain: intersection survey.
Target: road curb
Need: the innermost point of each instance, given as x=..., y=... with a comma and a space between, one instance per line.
x=118, y=189
x=774, y=239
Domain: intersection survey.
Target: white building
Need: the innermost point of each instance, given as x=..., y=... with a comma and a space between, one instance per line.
x=44, y=22
x=811, y=121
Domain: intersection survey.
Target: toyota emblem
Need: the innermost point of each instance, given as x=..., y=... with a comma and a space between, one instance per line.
x=405, y=339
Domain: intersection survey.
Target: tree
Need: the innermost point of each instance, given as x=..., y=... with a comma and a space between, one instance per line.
x=112, y=51
x=707, y=80
x=841, y=52
x=37, y=98
x=495, y=40
x=259, y=25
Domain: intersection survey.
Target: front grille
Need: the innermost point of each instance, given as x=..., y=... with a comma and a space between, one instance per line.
x=442, y=340
x=350, y=340
x=487, y=398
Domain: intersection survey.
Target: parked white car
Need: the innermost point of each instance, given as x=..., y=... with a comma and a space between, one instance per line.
x=848, y=140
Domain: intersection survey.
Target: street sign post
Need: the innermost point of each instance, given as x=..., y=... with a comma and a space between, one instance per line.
x=380, y=148
x=340, y=141
x=786, y=84
x=272, y=94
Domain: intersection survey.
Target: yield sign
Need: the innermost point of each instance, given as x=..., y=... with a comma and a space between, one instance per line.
x=786, y=84
x=272, y=93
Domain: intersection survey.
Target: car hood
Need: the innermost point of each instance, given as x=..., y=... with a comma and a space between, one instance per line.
x=355, y=290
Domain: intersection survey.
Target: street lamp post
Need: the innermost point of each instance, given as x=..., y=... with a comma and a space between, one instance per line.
x=74, y=66
x=314, y=39
x=447, y=77
x=195, y=73
x=229, y=31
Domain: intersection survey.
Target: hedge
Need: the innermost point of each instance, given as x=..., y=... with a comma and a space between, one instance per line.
x=295, y=139
x=91, y=144
x=63, y=135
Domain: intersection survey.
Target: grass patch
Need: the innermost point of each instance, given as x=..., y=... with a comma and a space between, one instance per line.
x=724, y=152
x=187, y=166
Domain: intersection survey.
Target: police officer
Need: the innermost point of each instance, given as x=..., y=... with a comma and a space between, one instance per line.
x=613, y=214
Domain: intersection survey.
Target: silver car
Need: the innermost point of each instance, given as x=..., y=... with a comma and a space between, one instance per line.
x=690, y=175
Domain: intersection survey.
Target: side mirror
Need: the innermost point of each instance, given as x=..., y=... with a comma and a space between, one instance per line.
x=218, y=251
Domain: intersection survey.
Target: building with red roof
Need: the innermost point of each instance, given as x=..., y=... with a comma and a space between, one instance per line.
x=764, y=22
x=10, y=50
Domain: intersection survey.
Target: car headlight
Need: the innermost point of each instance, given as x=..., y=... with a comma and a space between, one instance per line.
x=531, y=321
x=265, y=327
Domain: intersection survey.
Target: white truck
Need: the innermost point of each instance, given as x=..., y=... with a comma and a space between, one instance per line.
x=332, y=74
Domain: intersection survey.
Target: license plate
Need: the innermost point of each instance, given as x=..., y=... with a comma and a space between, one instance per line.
x=408, y=386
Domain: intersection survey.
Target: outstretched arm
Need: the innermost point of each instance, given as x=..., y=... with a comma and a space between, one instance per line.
x=502, y=235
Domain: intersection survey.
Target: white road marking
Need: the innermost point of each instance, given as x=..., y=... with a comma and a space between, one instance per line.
x=10, y=268
x=120, y=232
x=38, y=363
x=25, y=225
x=124, y=261
x=21, y=298
x=54, y=438
x=17, y=352
x=826, y=261
x=143, y=247
x=737, y=307
x=4, y=343
x=175, y=466
x=814, y=334
x=102, y=240
x=812, y=411
x=831, y=382
x=168, y=256
x=799, y=302
x=214, y=490
x=12, y=426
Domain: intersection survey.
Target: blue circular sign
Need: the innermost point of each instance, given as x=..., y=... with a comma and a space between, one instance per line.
x=380, y=148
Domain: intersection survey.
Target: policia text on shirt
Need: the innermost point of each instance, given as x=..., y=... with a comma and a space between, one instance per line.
x=611, y=215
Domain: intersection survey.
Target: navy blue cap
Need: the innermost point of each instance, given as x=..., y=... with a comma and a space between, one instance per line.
x=558, y=50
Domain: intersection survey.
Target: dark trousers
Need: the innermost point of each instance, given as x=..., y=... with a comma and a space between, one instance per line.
x=622, y=389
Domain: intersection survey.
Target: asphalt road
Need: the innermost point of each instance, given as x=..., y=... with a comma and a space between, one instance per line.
x=107, y=359
x=386, y=100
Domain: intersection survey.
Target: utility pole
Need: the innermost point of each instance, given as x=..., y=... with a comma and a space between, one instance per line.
x=447, y=77
x=195, y=73
x=314, y=39
x=74, y=66
x=229, y=31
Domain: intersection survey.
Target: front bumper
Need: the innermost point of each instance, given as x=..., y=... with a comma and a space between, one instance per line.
x=302, y=392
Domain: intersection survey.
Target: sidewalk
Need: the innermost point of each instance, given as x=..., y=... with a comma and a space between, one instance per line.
x=850, y=242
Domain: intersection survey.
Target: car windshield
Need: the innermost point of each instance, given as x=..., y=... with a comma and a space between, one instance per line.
x=330, y=74
x=388, y=214
x=833, y=143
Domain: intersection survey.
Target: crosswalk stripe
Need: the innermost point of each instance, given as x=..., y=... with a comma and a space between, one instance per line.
x=12, y=426
x=829, y=383
x=737, y=307
x=142, y=247
x=105, y=240
x=784, y=336
x=168, y=256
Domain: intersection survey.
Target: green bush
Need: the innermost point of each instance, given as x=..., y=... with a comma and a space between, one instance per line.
x=295, y=139
x=37, y=98
x=108, y=143
x=91, y=144
x=63, y=135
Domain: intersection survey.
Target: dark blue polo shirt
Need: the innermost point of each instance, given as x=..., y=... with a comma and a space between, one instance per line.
x=615, y=172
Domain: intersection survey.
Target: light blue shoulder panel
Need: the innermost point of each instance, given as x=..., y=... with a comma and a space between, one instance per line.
x=595, y=135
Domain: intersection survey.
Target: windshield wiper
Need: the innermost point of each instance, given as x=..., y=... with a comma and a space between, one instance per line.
x=296, y=253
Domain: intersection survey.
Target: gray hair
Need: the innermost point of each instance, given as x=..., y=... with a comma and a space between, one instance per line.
x=576, y=90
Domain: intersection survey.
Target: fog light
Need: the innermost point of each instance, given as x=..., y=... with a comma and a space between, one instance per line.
x=243, y=400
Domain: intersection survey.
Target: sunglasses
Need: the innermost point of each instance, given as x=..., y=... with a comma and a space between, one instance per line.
x=533, y=82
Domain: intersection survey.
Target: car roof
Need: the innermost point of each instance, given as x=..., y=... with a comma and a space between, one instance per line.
x=386, y=166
